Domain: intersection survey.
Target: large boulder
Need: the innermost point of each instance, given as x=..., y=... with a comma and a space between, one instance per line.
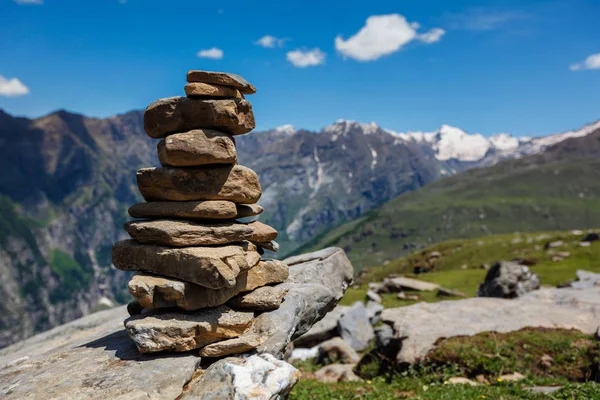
x=323, y=330
x=355, y=327
x=93, y=358
x=317, y=281
x=419, y=326
x=508, y=279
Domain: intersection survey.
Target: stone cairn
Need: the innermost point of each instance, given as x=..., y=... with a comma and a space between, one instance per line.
x=199, y=275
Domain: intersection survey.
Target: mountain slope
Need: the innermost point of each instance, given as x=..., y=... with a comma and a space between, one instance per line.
x=66, y=183
x=558, y=189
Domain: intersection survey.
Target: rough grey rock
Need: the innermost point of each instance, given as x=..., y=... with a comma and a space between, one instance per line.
x=231, y=346
x=337, y=373
x=585, y=279
x=255, y=377
x=508, y=279
x=337, y=350
x=373, y=296
x=91, y=358
x=383, y=335
x=374, y=312
x=262, y=299
x=316, y=283
x=181, y=114
x=423, y=324
x=323, y=330
x=401, y=283
x=355, y=327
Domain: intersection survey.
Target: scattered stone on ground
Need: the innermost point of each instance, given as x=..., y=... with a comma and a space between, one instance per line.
x=355, y=328
x=373, y=296
x=585, y=279
x=514, y=377
x=323, y=330
x=553, y=245
x=408, y=297
x=460, y=380
x=591, y=237
x=374, y=312
x=544, y=389
x=334, y=373
x=422, y=324
x=336, y=350
x=400, y=284
x=508, y=279
x=450, y=292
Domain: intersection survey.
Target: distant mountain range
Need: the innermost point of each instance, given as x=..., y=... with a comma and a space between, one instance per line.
x=556, y=189
x=68, y=180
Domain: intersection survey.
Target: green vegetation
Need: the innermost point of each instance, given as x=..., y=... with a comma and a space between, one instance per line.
x=488, y=354
x=514, y=196
x=72, y=275
x=459, y=263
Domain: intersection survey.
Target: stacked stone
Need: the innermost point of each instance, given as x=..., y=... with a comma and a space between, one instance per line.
x=200, y=278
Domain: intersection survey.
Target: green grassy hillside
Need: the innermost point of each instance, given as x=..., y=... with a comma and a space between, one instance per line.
x=556, y=190
x=459, y=263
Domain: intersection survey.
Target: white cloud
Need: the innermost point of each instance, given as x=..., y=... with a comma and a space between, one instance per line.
x=434, y=35
x=306, y=58
x=269, y=41
x=592, y=62
x=383, y=35
x=24, y=2
x=12, y=87
x=213, y=53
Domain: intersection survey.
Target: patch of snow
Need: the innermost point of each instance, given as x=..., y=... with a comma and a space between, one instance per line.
x=504, y=142
x=374, y=156
x=286, y=129
x=454, y=143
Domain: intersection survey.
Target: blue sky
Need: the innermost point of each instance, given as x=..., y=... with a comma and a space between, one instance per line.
x=524, y=67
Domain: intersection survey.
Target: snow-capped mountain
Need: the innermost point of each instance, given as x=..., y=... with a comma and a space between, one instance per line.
x=454, y=144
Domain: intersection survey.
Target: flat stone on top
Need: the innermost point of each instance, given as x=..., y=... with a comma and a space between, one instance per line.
x=195, y=148
x=179, y=331
x=221, y=78
x=180, y=233
x=208, y=209
x=211, y=267
x=224, y=182
x=182, y=114
x=207, y=90
x=161, y=292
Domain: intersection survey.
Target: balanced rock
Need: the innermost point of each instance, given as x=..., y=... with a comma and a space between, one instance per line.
x=155, y=291
x=248, y=210
x=229, y=182
x=199, y=89
x=177, y=233
x=196, y=148
x=203, y=209
x=221, y=78
x=181, y=114
x=262, y=299
x=231, y=346
x=271, y=246
x=211, y=267
x=178, y=331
